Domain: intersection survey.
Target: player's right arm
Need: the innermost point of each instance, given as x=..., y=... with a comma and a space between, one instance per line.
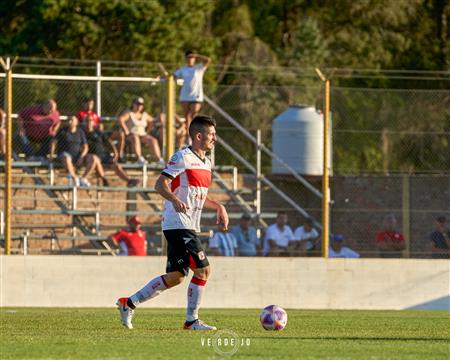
x=162, y=187
x=123, y=118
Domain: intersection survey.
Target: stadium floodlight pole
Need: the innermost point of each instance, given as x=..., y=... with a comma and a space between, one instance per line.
x=7, y=66
x=326, y=170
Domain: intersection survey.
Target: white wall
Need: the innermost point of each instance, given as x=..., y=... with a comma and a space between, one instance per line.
x=306, y=283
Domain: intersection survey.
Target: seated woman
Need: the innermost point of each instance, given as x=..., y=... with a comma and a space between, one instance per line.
x=133, y=125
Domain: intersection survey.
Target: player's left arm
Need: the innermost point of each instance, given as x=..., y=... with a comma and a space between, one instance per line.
x=222, y=215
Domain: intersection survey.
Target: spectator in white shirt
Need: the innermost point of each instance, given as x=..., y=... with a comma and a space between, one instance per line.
x=191, y=94
x=306, y=239
x=277, y=237
x=338, y=250
x=223, y=243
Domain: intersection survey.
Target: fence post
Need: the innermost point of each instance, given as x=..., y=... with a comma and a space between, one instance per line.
x=406, y=213
x=326, y=174
x=170, y=116
x=99, y=89
x=7, y=66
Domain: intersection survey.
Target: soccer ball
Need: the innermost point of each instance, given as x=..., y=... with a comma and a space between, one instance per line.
x=273, y=317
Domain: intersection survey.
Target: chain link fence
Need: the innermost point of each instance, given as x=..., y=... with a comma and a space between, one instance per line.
x=390, y=149
x=390, y=159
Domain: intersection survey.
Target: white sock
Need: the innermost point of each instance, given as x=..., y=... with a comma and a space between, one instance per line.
x=194, y=297
x=152, y=289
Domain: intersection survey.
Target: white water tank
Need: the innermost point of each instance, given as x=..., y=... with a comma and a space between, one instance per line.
x=297, y=138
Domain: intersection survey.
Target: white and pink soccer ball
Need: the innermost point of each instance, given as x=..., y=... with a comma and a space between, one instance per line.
x=273, y=317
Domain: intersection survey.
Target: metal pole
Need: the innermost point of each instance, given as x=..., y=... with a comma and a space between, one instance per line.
x=99, y=89
x=326, y=169
x=170, y=117
x=8, y=163
x=325, y=176
x=258, y=173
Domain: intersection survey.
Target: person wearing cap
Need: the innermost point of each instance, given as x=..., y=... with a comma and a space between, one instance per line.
x=88, y=110
x=247, y=239
x=131, y=241
x=134, y=125
x=440, y=239
x=191, y=93
x=390, y=242
x=338, y=250
x=306, y=239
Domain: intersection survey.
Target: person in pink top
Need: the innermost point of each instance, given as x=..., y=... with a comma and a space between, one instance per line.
x=38, y=123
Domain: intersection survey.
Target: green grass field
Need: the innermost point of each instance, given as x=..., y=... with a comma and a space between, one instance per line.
x=97, y=334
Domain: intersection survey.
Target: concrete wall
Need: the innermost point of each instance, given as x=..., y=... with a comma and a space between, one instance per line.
x=307, y=283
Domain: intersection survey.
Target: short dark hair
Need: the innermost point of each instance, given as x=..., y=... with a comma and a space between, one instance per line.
x=199, y=125
x=309, y=221
x=441, y=219
x=188, y=52
x=281, y=213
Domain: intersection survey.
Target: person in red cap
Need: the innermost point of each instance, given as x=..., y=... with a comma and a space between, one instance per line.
x=131, y=241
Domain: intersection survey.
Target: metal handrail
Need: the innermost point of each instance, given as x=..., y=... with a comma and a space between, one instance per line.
x=266, y=181
x=263, y=147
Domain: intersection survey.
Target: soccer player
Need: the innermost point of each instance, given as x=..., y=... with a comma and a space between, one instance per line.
x=184, y=184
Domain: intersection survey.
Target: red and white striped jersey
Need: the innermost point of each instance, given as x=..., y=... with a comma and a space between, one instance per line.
x=191, y=178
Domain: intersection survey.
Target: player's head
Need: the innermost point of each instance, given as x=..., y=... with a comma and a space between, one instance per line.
x=203, y=132
x=337, y=241
x=190, y=57
x=245, y=221
x=134, y=222
x=282, y=218
x=48, y=106
x=138, y=104
x=308, y=224
x=88, y=103
x=73, y=122
x=390, y=222
x=441, y=222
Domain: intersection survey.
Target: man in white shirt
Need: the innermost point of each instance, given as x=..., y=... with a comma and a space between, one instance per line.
x=191, y=94
x=277, y=237
x=306, y=239
x=337, y=250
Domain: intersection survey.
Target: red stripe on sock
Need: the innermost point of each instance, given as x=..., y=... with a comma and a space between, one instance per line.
x=164, y=281
x=198, y=281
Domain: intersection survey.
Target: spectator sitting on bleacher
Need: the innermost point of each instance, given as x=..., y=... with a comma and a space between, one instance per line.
x=38, y=123
x=72, y=150
x=338, y=250
x=88, y=110
x=131, y=241
x=390, y=242
x=306, y=239
x=278, y=236
x=133, y=126
x=2, y=134
x=101, y=146
x=245, y=234
x=223, y=243
x=440, y=240
x=180, y=129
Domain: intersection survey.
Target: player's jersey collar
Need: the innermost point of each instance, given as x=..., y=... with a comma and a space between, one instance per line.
x=192, y=151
